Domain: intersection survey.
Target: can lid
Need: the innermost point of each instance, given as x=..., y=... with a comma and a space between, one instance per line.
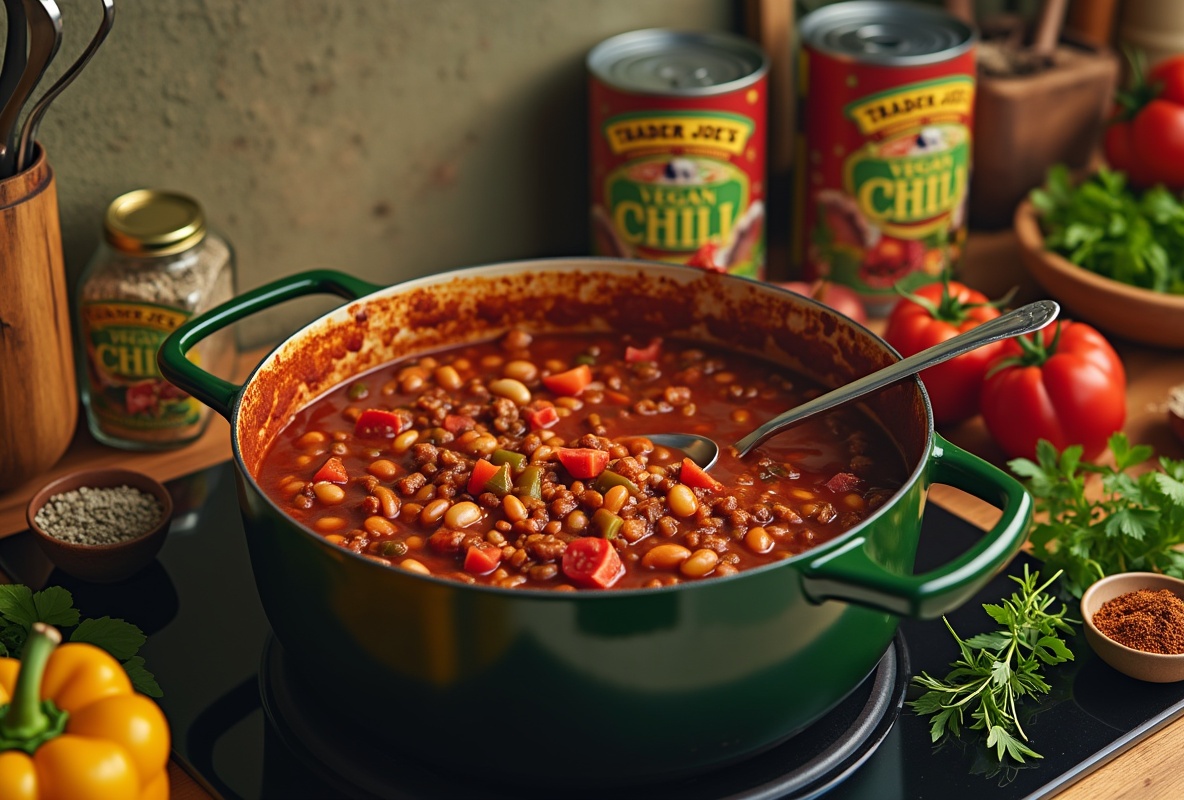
x=154, y=223
x=887, y=33
x=677, y=63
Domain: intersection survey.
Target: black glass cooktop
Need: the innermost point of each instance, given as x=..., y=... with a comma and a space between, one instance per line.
x=208, y=641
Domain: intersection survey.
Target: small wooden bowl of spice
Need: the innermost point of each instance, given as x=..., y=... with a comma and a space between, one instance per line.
x=1134, y=621
x=101, y=525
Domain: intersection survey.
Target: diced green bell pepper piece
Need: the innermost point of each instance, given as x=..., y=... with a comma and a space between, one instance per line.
x=516, y=460
x=608, y=479
x=530, y=482
x=500, y=483
x=607, y=524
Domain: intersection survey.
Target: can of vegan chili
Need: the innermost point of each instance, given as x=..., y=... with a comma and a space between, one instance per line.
x=887, y=100
x=678, y=138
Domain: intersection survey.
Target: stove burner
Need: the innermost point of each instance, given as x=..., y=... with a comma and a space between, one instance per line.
x=805, y=766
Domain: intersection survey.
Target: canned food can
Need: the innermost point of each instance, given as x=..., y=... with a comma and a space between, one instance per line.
x=677, y=139
x=888, y=96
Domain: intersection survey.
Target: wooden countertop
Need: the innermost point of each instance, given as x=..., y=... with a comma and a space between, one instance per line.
x=1147, y=771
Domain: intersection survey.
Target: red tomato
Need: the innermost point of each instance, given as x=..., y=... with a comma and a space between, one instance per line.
x=583, y=462
x=1146, y=137
x=592, y=561
x=696, y=477
x=482, y=471
x=482, y=558
x=542, y=417
x=651, y=352
x=931, y=315
x=377, y=423
x=840, y=298
x=1068, y=387
x=332, y=471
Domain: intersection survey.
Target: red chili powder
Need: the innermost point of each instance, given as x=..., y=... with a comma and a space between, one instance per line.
x=1147, y=620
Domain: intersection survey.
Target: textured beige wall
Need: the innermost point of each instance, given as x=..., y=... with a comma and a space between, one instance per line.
x=388, y=138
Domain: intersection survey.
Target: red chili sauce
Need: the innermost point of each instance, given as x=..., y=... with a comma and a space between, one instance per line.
x=523, y=463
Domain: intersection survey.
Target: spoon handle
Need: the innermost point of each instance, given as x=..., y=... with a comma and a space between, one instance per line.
x=1025, y=319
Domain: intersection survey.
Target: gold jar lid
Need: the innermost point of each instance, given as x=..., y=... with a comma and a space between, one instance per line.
x=151, y=222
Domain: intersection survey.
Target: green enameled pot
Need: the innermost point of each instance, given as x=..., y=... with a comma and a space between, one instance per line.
x=593, y=687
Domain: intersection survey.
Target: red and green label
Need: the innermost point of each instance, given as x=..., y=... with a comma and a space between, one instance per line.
x=126, y=387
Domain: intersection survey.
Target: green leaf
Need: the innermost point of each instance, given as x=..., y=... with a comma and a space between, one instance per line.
x=1000, y=614
x=55, y=606
x=118, y=637
x=16, y=604
x=989, y=641
x=142, y=680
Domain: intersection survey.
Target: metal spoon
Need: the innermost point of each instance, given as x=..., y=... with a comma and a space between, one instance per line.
x=1026, y=319
x=45, y=37
x=33, y=121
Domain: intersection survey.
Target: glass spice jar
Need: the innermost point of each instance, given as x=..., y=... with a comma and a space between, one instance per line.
x=158, y=265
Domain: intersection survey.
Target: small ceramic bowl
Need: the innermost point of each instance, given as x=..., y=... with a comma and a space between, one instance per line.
x=102, y=563
x=1139, y=315
x=1151, y=667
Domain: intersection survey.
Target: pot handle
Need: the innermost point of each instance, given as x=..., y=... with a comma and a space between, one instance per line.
x=849, y=573
x=215, y=392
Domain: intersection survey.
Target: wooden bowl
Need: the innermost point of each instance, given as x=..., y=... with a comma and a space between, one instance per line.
x=102, y=563
x=1138, y=664
x=1140, y=315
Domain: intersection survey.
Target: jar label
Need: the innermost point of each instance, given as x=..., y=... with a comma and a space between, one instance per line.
x=126, y=387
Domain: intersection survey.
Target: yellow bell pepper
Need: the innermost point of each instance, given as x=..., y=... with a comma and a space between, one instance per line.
x=73, y=728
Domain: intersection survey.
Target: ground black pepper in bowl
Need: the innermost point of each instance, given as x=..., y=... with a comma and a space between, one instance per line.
x=99, y=515
x=101, y=525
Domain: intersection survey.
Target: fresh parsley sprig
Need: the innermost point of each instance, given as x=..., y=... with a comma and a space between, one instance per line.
x=1104, y=226
x=20, y=607
x=997, y=670
x=1133, y=524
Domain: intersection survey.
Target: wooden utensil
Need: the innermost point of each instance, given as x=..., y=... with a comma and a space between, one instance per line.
x=38, y=396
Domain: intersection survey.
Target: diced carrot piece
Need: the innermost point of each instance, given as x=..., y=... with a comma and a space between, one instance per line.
x=332, y=471
x=571, y=382
x=582, y=462
x=696, y=477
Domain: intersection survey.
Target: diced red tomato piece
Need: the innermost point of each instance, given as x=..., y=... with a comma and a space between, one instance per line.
x=458, y=423
x=650, y=352
x=540, y=418
x=593, y=562
x=571, y=382
x=583, y=462
x=482, y=471
x=377, y=423
x=482, y=558
x=696, y=477
x=843, y=482
x=332, y=471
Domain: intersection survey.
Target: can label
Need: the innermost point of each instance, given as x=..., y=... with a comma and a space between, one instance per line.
x=680, y=179
x=884, y=188
x=126, y=387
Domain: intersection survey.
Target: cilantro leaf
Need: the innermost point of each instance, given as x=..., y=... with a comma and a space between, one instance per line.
x=1131, y=517
x=143, y=681
x=119, y=638
x=16, y=604
x=55, y=606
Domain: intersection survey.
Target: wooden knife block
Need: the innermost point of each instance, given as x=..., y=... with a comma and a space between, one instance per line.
x=1025, y=124
x=38, y=395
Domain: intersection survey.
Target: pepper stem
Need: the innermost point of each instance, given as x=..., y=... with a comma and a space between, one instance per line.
x=27, y=722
